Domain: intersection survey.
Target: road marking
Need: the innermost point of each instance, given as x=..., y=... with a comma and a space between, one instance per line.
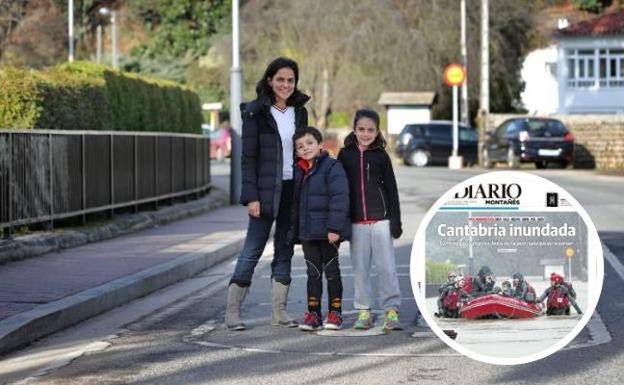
x=613, y=261
x=325, y=354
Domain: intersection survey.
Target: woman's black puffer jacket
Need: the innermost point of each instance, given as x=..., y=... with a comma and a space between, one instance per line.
x=261, y=162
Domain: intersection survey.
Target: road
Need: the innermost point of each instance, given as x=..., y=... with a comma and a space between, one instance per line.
x=186, y=343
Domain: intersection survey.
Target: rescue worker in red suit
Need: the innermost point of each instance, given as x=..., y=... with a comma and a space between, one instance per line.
x=559, y=296
x=452, y=298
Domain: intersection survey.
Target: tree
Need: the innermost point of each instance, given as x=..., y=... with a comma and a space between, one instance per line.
x=178, y=34
x=592, y=5
x=11, y=13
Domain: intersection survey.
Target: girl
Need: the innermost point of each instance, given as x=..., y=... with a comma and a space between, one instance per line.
x=269, y=123
x=375, y=217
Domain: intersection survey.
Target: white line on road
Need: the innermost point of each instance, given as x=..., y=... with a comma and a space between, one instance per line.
x=613, y=261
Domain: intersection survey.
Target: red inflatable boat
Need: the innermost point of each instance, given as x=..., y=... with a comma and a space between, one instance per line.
x=500, y=307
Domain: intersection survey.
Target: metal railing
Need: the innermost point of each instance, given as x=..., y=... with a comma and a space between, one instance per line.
x=51, y=174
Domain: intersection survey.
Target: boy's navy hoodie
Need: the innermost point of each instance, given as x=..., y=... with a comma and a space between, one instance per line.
x=321, y=200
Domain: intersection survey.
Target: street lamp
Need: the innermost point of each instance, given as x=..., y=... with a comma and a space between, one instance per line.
x=104, y=11
x=70, y=28
x=236, y=92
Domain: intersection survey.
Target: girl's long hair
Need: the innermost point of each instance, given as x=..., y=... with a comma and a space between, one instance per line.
x=379, y=141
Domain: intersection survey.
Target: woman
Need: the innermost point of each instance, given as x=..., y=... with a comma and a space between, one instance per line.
x=269, y=123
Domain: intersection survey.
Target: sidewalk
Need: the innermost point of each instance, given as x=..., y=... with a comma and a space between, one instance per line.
x=42, y=295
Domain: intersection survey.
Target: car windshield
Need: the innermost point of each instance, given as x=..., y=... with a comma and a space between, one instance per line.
x=545, y=127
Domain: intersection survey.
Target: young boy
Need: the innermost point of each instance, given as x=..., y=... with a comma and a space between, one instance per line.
x=320, y=222
x=506, y=290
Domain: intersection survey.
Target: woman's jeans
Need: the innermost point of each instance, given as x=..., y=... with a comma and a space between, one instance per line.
x=258, y=232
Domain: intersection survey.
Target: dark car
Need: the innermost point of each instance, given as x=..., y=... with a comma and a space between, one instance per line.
x=529, y=140
x=424, y=144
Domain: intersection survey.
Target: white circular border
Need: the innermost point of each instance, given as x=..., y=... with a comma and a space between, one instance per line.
x=595, y=268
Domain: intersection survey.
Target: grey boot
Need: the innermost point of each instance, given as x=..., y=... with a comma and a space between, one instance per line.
x=236, y=295
x=279, y=299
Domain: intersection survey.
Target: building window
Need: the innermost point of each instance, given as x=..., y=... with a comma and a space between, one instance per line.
x=595, y=67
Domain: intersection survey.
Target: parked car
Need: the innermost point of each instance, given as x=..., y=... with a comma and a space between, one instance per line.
x=424, y=144
x=536, y=140
x=220, y=144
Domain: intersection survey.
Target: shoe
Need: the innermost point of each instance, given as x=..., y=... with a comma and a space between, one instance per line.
x=279, y=298
x=311, y=322
x=391, y=321
x=236, y=296
x=334, y=320
x=364, y=321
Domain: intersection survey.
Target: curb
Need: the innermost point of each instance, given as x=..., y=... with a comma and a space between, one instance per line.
x=29, y=246
x=24, y=328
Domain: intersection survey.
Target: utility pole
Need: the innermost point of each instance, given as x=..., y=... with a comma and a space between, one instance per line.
x=98, y=48
x=484, y=100
x=114, y=39
x=465, y=108
x=236, y=92
x=70, y=27
x=485, y=58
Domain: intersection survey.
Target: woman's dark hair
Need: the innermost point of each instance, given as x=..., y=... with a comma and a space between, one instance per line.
x=366, y=113
x=264, y=88
x=308, y=131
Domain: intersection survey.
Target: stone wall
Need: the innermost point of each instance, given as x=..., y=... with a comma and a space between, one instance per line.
x=599, y=139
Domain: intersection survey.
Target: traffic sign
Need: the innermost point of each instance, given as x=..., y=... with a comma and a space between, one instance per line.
x=454, y=74
x=569, y=252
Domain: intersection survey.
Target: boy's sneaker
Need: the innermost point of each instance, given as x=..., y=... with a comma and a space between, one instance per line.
x=364, y=321
x=311, y=322
x=391, y=321
x=334, y=320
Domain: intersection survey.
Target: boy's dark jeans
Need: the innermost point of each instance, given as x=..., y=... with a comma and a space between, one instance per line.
x=258, y=232
x=322, y=256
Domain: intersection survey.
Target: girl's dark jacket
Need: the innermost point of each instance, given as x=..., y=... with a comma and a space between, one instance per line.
x=374, y=194
x=261, y=161
x=321, y=201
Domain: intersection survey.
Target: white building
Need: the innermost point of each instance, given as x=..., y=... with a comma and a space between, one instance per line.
x=541, y=89
x=406, y=108
x=590, y=66
x=582, y=74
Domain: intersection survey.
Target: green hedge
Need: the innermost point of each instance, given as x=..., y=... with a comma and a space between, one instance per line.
x=438, y=272
x=86, y=96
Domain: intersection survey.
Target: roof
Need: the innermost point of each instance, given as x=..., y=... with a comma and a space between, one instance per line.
x=406, y=98
x=605, y=25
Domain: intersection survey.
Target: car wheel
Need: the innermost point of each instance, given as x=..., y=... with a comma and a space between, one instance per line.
x=562, y=164
x=419, y=158
x=486, y=162
x=513, y=161
x=541, y=164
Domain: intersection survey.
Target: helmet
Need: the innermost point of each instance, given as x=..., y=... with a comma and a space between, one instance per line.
x=556, y=278
x=484, y=270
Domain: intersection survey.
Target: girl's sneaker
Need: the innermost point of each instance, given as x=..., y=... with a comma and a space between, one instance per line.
x=334, y=320
x=391, y=321
x=311, y=322
x=364, y=321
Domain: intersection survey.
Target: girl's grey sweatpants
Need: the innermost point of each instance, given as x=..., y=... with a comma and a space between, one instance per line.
x=372, y=243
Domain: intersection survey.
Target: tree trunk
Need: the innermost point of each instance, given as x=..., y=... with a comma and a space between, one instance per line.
x=325, y=108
